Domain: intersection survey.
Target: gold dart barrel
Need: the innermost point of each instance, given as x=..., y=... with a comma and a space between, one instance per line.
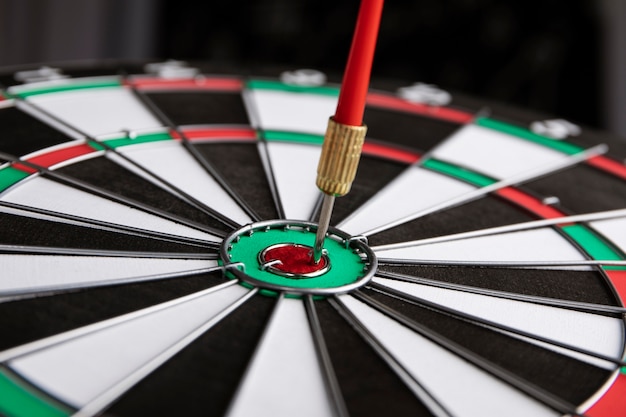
x=339, y=161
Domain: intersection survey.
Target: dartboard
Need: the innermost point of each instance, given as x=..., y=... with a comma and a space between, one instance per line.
x=154, y=221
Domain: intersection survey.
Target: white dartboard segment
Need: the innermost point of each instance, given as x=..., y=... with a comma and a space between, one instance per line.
x=592, y=332
x=494, y=153
x=461, y=388
x=291, y=111
x=31, y=273
x=84, y=110
x=50, y=195
x=416, y=189
x=82, y=368
x=284, y=378
x=176, y=166
x=537, y=245
x=294, y=166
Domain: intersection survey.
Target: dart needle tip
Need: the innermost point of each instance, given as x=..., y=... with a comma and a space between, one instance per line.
x=322, y=227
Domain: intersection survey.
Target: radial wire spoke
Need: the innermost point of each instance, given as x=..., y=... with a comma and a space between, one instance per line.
x=24, y=249
x=57, y=273
x=98, y=404
x=173, y=189
x=612, y=214
x=473, y=319
x=225, y=350
x=254, y=115
x=435, y=406
x=465, y=197
x=170, y=187
x=504, y=375
x=500, y=264
x=332, y=386
x=80, y=185
x=284, y=374
x=103, y=225
x=553, y=302
x=271, y=178
x=195, y=154
x=69, y=310
x=79, y=353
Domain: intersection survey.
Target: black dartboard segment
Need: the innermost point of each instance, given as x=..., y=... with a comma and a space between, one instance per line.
x=499, y=238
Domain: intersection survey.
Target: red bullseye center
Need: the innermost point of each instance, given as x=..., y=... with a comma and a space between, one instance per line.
x=294, y=259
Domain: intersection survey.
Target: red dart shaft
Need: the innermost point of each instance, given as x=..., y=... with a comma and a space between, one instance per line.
x=345, y=134
x=356, y=78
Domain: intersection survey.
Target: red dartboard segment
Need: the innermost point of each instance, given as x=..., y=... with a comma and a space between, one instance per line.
x=613, y=402
x=530, y=203
x=608, y=165
x=210, y=133
x=60, y=155
x=201, y=83
x=442, y=113
x=618, y=279
x=385, y=151
x=54, y=157
x=24, y=168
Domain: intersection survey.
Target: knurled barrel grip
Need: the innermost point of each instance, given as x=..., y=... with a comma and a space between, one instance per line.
x=339, y=161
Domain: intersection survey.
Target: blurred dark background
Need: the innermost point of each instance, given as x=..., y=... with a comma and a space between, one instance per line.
x=565, y=58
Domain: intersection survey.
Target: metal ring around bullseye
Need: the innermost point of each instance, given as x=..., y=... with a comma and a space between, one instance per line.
x=357, y=247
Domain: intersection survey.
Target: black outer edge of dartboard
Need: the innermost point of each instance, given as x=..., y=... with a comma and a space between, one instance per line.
x=189, y=147
x=80, y=185
x=332, y=385
x=469, y=318
x=520, y=384
x=551, y=302
x=253, y=114
x=178, y=192
x=405, y=376
x=112, y=227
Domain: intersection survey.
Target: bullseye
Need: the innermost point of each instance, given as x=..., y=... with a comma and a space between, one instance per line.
x=276, y=256
x=293, y=260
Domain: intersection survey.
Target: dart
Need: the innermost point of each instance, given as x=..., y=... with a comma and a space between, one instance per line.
x=157, y=223
x=345, y=134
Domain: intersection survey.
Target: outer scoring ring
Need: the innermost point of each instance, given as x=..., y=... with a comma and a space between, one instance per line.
x=238, y=269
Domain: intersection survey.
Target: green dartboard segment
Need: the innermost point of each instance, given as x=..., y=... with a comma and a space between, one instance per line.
x=146, y=138
x=595, y=246
x=520, y=132
x=10, y=176
x=454, y=171
x=92, y=84
x=279, y=86
x=279, y=136
x=346, y=265
x=20, y=400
